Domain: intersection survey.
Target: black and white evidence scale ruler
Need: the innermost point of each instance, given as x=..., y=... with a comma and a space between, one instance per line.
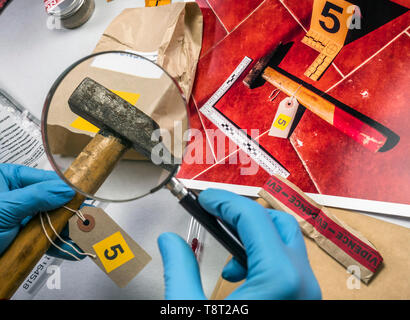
x=233, y=132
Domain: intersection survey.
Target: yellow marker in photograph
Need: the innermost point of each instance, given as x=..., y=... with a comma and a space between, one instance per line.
x=282, y=122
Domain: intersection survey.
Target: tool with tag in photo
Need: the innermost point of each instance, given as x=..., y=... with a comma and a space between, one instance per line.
x=350, y=123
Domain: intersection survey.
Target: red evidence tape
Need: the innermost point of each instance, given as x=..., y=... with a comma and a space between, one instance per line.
x=349, y=243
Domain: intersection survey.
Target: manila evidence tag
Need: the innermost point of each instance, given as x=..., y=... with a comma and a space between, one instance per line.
x=118, y=255
x=284, y=118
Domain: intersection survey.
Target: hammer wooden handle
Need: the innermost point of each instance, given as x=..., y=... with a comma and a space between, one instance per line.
x=350, y=125
x=88, y=171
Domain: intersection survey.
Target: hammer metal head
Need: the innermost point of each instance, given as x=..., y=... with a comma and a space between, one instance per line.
x=254, y=77
x=113, y=115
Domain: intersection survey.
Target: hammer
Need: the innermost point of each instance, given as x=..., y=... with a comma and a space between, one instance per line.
x=357, y=129
x=122, y=126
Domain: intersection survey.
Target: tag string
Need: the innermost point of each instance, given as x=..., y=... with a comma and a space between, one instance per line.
x=281, y=89
x=81, y=216
x=294, y=94
x=77, y=212
x=271, y=97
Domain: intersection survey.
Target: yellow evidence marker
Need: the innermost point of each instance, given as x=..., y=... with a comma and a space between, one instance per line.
x=113, y=251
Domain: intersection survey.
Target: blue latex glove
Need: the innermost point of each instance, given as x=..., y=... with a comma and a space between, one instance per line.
x=24, y=192
x=278, y=266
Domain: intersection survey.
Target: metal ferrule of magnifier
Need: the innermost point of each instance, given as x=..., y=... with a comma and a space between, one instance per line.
x=177, y=188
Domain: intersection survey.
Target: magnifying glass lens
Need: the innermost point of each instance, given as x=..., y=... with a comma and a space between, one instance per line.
x=123, y=97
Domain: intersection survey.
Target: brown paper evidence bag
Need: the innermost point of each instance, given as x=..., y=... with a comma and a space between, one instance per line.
x=390, y=282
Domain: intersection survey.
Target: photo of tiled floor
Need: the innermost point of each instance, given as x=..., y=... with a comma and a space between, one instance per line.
x=369, y=75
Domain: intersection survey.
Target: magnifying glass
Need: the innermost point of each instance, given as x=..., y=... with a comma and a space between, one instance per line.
x=113, y=127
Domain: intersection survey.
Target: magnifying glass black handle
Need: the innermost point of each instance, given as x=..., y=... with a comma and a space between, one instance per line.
x=220, y=231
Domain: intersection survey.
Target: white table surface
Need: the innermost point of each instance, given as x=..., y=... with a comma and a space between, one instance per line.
x=31, y=58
